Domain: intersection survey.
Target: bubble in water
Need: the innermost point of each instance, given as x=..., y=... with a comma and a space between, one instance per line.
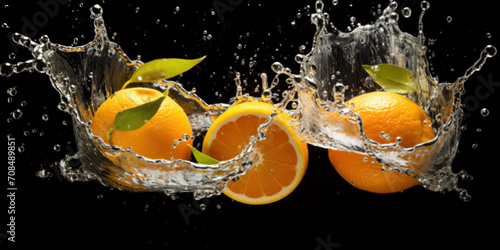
x=485, y=112
x=57, y=147
x=335, y=2
x=449, y=19
x=406, y=11
x=137, y=10
x=45, y=117
x=203, y=206
x=5, y=26
x=239, y=46
x=488, y=35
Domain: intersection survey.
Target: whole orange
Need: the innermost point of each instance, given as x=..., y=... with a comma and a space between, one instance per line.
x=156, y=138
x=387, y=117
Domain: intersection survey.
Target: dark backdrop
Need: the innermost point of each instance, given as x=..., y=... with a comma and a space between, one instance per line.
x=324, y=212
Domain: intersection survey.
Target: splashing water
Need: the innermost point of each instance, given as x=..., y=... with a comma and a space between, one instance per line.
x=331, y=73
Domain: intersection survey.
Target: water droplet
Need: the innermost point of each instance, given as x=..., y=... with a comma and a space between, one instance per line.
x=96, y=10
x=277, y=67
x=157, y=21
x=485, y=112
x=43, y=173
x=406, y=12
x=6, y=69
x=266, y=94
x=203, y=206
x=12, y=91
x=209, y=36
x=491, y=50
x=319, y=6
x=425, y=5
x=17, y=114
x=185, y=137
x=239, y=46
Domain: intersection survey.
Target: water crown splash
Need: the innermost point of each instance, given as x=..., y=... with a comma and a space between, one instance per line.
x=332, y=73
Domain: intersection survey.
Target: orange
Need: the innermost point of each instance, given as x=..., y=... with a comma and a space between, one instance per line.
x=396, y=116
x=281, y=158
x=155, y=139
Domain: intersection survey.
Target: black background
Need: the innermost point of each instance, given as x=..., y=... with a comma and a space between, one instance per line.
x=324, y=212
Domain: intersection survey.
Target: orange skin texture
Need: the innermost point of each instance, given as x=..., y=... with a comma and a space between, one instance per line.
x=156, y=137
x=396, y=116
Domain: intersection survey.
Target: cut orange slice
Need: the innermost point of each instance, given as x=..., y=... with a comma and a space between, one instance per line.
x=281, y=158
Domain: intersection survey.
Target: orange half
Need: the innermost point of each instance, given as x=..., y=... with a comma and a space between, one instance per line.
x=281, y=158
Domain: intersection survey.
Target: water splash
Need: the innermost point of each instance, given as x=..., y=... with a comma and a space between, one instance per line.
x=331, y=73
x=85, y=76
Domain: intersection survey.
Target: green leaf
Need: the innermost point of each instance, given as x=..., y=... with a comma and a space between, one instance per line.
x=161, y=69
x=201, y=157
x=392, y=78
x=136, y=117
